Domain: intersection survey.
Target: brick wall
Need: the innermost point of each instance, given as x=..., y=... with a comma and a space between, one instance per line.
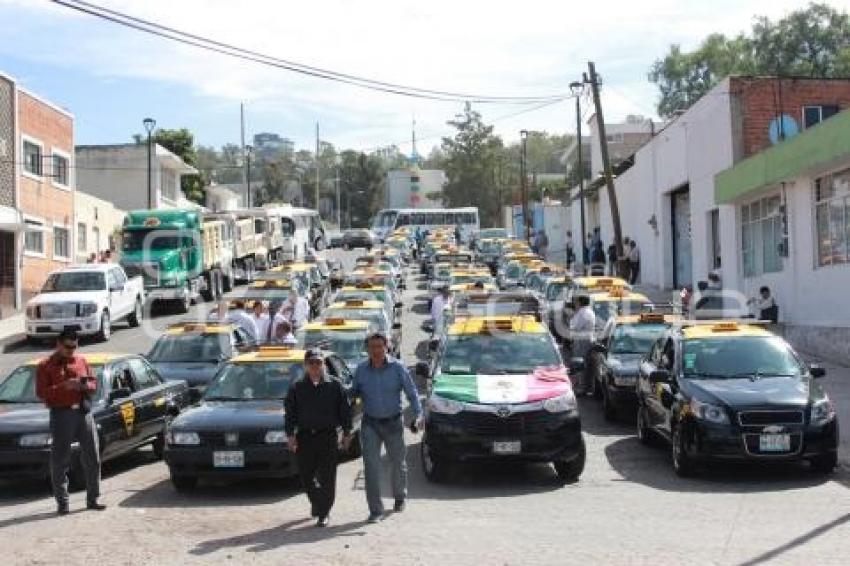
x=758, y=102
x=41, y=197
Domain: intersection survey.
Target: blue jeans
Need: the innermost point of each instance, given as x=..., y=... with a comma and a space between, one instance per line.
x=374, y=434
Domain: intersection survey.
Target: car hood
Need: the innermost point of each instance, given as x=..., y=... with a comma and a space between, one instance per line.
x=22, y=418
x=538, y=385
x=215, y=415
x=624, y=364
x=193, y=373
x=61, y=297
x=743, y=392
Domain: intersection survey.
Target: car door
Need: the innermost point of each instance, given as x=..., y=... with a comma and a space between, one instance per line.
x=108, y=418
x=338, y=368
x=648, y=391
x=119, y=430
x=150, y=398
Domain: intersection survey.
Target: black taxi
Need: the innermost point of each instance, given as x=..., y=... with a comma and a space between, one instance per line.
x=131, y=407
x=731, y=391
x=237, y=430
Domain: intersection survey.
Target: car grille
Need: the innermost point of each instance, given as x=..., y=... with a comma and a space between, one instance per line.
x=765, y=418
x=245, y=438
x=149, y=272
x=490, y=424
x=57, y=311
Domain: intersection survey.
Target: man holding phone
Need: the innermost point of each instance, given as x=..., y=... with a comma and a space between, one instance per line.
x=64, y=381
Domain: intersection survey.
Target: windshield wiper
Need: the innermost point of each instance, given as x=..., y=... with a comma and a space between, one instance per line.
x=223, y=398
x=756, y=375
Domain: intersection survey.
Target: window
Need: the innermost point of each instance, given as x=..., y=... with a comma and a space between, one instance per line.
x=813, y=115
x=761, y=235
x=81, y=238
x=96, y=237
x=34, y=237
x=832, y=218
x=60, y=170
x=32, y=158
x=145, y=376
x=61, y=247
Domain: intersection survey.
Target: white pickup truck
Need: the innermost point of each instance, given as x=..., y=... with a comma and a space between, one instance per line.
x=87, y=298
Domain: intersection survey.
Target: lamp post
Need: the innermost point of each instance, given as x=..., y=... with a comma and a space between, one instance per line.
x=524, y=186
x=248, y=150
x=577, y=89
x=149, y=124
x=338, y=203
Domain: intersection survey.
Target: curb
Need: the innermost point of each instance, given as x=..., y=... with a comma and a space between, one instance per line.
x=12, y=342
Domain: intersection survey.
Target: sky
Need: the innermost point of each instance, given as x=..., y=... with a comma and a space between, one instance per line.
x=111, y=77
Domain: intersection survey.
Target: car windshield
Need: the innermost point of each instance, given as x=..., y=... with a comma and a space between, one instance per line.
x=136, y=240
x=556, y=291
x=343, y=296
x=514, y=271
x=191, y=348
x=373, y=316
x=464, y=279
x=19, y=386
x=498, y=353
x=635, y=338
x=347, y=344
x=740, y=356
x=69, y=281
x=604, y=310
x=496, y=307
x=493, y=233
x=488, y=247
x=256, y=380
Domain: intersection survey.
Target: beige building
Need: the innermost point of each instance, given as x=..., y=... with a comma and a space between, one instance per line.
x=96, y=225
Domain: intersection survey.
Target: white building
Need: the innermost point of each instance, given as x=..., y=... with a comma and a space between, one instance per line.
x=96, y=221
x=410, y=187
x=119, y=174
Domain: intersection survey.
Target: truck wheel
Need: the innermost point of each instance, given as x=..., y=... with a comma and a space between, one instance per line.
x=249, y=270
x=569, y=471
x=184, y=483
x=105, y=327
x=434, y=468
x=209, y=294
x=135, y=318
x=227, y=282
x=185, y=303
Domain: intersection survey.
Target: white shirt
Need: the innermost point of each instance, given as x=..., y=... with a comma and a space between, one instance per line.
x=634, y=254
x=297, y=313
x=244, y=321
x=584, y=321
x=438, y=306
x=288, y=340
x=262, y=322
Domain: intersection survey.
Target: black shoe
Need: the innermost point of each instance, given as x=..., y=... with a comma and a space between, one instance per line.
x=399, y=506
x=374, y=517
x=95, y=506
x=323, y=521
x=62, y=510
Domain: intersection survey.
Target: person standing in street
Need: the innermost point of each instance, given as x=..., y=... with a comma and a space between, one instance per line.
x=439, y=304
x=582, y=328
x=612, y=258
x=634, y=262
x=64, y=381
x=569, y=245
x=262, y=321
x=296, y=309
x=317, y=406
x=379, y=382
x=542, y=243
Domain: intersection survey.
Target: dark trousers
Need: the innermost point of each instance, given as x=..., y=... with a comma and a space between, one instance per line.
x=317, y=458
x=68, y=426
x=634, y=271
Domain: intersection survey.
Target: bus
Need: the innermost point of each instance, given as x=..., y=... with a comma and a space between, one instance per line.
x=306, y=228
x=389, y=219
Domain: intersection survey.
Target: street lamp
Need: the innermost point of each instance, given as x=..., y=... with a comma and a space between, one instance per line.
x=248, y=150
x=577, y=89
x=149, y=124
x=337, y=162
x=524, y=178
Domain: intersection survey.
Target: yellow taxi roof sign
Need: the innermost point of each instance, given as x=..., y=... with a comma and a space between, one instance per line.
x=334, y=321
x=651, y=318
x=489, y=324
x=344, y=325
x=271, y=353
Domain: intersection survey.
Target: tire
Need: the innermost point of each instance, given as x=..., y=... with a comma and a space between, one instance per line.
x=683, y=465
x=644, y=432
x=569, y=471
x=249, y=270
x=184, y=304
x=227, y=282
x=825, y=463
x=105, y=331
x=135, y=318
x=159, y=445
x=435, y=469
x=184, y=483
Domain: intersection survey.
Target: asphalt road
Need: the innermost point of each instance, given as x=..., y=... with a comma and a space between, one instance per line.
x=628, y=508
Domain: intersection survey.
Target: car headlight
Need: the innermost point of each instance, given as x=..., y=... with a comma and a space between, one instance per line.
x=708, y=412
x=87, y=309
x=40, y=439
x=561, y=404
x=275, y=437
x=183, y=438
x=823, y=411
x=439, y=404
x=625, y=380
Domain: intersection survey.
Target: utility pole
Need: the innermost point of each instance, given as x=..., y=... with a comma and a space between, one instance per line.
x=338, y=217
x=609, y=176
x=524, y=186
x=317, y=166
x=242, y=138
x=248, y=150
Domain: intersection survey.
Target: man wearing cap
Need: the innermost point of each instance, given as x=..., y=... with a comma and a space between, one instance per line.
x=379, y=382
x=317, y=406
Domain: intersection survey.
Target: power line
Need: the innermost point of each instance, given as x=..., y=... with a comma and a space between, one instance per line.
x=176, y=35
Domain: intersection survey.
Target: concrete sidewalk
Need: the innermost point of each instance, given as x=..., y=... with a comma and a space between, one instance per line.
x=12, y=331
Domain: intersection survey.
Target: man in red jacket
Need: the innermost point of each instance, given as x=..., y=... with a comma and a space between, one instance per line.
x=64, y=381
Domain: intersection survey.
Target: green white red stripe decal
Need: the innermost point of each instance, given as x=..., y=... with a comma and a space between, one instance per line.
x=543, y=383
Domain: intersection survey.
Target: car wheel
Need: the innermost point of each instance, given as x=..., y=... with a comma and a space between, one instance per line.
x=825, y=463
x=184, y=483
x=227, y=284
x=105, y=327
x=569, y=471
x=683, y=465
x=159, y=445
x=644, y=432
x=135, y=318
x=434, y=468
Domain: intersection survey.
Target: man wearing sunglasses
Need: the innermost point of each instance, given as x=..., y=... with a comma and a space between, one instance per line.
x=317, y=406
x=64, y=381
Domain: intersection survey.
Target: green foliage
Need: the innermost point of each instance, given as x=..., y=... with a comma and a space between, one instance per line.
x=181, y=142
x=810, y=42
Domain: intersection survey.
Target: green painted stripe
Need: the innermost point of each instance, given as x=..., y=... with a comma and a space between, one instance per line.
x=457, y=387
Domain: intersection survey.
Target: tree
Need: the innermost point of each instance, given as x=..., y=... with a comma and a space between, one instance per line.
x=810, y=42
x=181, y=142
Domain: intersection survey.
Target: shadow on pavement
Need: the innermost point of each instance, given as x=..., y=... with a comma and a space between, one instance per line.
x=214, y=494
x=799, y=541
x=593, y=421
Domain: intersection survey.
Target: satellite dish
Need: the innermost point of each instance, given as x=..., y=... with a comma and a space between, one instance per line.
x=789, y=129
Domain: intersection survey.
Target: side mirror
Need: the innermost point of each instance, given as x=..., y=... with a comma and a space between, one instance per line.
x=817, y=371
x=576, y=365
x=423, y=370
x=120, y=393
x=659, y=376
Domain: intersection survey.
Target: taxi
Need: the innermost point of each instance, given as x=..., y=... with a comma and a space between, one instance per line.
x=617, y=302
x=618, y=353
x=510, y=276
x=193, y=351
x=441, y=274
x=308, y=276
x=597, y=283
x=498, y=390
x=130, y=408
x=237, y=430
x=537, y=275
x=345, y=338
x=269, y=291
x=368, y=292
x=478, y=286
x=375, y=278
x=726, y=390
x=488, y=251
x=372, y=312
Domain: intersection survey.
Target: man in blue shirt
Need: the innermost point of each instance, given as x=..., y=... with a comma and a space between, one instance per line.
x=379, y=382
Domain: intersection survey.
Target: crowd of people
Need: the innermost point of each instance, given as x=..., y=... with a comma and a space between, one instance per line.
x=267, y=323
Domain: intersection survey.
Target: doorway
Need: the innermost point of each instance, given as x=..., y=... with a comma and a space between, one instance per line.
x=7, y=274
x=680, y=202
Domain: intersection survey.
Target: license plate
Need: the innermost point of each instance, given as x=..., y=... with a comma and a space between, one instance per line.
x=229, y=459
x=507, y=447
x=775, y=443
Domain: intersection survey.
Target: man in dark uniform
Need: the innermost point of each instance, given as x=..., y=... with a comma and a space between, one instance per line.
x=316, y=407
x=64, y=381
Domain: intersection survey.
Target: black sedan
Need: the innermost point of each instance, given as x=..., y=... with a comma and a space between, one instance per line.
x=359, y=239
x=131, y=408
x=725, y=391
